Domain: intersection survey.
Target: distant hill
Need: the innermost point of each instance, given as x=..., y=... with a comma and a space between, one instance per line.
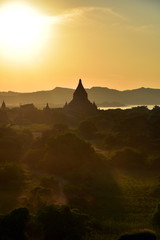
x=101, y=95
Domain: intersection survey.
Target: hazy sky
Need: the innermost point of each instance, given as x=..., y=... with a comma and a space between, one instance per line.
x=111, y=43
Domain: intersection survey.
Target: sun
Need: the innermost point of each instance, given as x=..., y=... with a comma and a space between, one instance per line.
x=23, y=31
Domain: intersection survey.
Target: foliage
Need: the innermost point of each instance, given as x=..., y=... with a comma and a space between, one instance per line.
x=62, y=223
x=62, y=164
x=12, y=144
x=33, y=157
x=87, y=129
x=50, y=222
x=67, y=154
x=128, y=159
x=156, y=217
x=145, y=234
x=11, y=175
x=13, y=225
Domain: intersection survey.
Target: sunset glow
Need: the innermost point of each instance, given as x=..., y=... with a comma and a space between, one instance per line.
x=22, y=31
x=112, y=44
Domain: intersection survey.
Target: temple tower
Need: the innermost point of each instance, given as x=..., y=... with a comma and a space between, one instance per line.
x=3, y=106
x=80, y=102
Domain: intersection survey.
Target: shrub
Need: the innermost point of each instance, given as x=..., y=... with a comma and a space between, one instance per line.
x=156, y=217
x=62, y=223
x=87, y=129
x=34, y=157
x=145, y=234
x=128, y=159
x=13, y=225
x=11, y=175
x=67, y=154
x=12, y=144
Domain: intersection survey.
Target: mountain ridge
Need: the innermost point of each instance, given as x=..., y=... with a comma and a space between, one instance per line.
x=60, y=95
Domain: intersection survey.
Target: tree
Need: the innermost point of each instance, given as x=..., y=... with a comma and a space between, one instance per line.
x=87, y=129
x=13, y=225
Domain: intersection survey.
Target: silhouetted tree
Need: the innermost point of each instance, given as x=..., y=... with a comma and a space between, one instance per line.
x=129, y=159
x=87, y=129
x=13, y=225
x=62, y=223
x=141, y=235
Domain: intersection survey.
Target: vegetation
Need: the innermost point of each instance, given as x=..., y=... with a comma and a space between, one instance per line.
x=86, y=177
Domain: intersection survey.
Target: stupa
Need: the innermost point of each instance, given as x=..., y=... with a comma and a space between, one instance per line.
x=80, y=101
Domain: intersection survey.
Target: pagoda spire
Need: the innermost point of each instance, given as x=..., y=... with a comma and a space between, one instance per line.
x=46, y=108
x=80, y=92
x=3, y=106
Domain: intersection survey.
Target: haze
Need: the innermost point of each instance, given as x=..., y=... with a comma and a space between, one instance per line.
x=106, y=43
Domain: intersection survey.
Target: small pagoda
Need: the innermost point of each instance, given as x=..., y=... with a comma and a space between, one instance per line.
x=47, y=108
x=3, y=106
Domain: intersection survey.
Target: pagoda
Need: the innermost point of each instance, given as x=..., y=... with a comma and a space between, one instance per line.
x=3, y=106
x=80, y=101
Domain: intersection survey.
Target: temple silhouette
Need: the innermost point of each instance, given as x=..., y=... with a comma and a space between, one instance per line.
x=3, y=106
x=80, y=101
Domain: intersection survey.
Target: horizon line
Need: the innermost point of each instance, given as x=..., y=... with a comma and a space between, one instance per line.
x=47, y=90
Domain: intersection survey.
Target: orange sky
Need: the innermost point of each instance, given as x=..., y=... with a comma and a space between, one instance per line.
x=106, y=43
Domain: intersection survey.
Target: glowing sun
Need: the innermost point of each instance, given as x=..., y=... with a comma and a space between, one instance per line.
x=23, y=30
